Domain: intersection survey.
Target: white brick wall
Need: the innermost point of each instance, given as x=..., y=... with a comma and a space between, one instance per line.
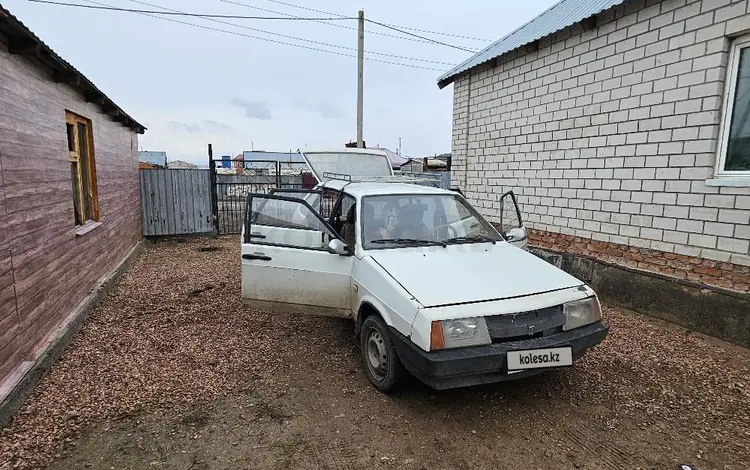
x=610, y=133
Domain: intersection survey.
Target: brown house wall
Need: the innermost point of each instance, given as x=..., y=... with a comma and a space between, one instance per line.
x=54, y=268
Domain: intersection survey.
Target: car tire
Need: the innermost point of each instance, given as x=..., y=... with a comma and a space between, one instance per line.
x=379, y=357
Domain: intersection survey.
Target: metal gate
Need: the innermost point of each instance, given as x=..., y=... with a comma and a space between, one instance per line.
x=233, y=180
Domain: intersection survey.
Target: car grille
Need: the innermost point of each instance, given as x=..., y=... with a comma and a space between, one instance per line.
x=526, y=325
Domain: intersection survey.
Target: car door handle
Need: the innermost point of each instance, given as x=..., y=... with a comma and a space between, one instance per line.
x=257, y=256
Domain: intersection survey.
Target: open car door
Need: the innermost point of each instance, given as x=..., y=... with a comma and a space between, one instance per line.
x=511, y=225
x=292, y=260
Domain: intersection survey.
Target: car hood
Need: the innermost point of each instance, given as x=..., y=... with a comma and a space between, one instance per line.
x=477, y=272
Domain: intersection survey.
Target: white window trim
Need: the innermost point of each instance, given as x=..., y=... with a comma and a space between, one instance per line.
x=736, y=178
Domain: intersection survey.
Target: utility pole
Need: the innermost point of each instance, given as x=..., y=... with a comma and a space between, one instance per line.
x=399, y=145
x=360, y=76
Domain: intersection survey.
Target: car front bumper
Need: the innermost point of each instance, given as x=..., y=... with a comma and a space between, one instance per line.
x=462, y=367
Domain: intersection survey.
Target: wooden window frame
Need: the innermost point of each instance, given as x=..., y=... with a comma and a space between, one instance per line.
x=738, y=45
x=92, y=196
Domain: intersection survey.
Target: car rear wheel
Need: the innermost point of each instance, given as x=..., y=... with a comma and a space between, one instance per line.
x=381, y=362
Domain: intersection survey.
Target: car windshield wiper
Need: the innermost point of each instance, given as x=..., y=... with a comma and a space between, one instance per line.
x=470, y=239
x=409, y=241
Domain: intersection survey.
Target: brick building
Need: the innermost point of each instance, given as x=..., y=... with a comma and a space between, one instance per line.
x=624, y=129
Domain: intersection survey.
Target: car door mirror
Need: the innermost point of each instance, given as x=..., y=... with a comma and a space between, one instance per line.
x=516, y=234
x=337, y=247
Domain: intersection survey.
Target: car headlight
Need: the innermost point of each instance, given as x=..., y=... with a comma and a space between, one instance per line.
x=447, y=334
x=581, y=313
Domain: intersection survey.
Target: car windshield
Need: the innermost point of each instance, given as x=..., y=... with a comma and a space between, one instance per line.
x=422, y=219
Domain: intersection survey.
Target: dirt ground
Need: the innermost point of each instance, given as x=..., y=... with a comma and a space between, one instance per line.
x=172, y=371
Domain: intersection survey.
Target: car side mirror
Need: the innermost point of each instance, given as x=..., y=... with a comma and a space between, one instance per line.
x=516, y=234
x=337, y=247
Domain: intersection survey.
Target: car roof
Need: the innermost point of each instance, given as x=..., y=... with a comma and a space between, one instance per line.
x=380, y=189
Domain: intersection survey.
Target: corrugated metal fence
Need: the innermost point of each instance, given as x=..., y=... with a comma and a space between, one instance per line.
x=175, y=201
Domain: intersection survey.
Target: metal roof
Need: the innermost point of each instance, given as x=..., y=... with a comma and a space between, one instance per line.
x=22, y=41
x=560, y=15
x=262, y=155
x=154, y=158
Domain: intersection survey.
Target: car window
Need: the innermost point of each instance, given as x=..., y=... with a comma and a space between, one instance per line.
x=341, y=212
x=287, y=213
x=329, y=201
x=311, y=197
x=346, y=205
x=348, y=220
x=399, y=220
x=509, y=216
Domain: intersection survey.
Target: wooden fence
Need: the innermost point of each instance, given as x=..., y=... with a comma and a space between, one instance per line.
x=175, y=201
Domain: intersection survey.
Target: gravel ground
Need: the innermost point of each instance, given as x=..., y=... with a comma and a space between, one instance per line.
x=173, y=372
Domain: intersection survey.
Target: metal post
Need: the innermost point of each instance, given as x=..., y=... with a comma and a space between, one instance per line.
x=214, y=199
x=360, y=77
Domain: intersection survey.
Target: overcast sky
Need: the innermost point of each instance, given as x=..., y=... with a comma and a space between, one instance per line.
x=190, y=86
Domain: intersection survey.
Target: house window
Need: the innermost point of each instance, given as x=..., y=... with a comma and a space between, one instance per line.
x=734, y=143
x=82, y=168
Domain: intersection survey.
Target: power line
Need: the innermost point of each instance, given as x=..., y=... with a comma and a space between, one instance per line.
x=202, y=15
x=395, y=26
x=295, y=38
x=323, y=22
x=420, y=37
x=212, y=17
x=236, y=33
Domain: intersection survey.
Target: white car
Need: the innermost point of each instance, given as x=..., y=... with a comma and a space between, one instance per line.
x=434, y=289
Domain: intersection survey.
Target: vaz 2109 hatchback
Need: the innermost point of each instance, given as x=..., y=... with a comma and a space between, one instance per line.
x=433, y=288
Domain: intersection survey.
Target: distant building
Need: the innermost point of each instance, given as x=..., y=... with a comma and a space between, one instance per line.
x=181, y=165
x=440, y=162
x=396, y=160
x=155, y=159
x=226, y=161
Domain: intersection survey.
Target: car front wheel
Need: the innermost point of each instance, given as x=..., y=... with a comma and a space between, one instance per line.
x=381, y=363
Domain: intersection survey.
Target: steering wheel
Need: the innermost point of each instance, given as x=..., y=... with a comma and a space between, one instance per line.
x=433, y=231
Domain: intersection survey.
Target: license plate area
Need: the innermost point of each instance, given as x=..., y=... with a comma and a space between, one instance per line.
x=539, y=358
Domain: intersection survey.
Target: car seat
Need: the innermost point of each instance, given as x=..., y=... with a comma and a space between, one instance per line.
x=410, y=223
x=349, y=227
